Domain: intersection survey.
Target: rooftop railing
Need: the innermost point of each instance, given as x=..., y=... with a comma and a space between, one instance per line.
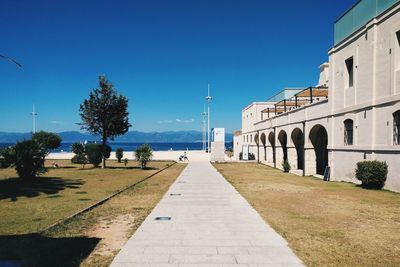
x=357, y=16
x=301, y=99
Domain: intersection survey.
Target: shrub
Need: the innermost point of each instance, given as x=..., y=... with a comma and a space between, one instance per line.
x=372, y=174
x=143, y=155
x=119, y=153
x=229, y=153
x=286, y=166
x=7, y=156
x=28, y=159
x=47, y=141
x=80, y=154
x=78, y=148
x=79, y=159
x=251, y=156
x=105, y=151
x=94, y=154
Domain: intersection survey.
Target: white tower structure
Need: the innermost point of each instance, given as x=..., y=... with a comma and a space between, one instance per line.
x=34, y=114
x=208, y=99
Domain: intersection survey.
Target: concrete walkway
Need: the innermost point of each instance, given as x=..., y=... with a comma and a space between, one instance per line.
x=211, y=225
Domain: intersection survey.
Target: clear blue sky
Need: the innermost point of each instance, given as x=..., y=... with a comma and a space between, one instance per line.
x=160, y=54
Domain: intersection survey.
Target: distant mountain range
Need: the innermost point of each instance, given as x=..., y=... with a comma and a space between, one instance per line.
x=131, y=137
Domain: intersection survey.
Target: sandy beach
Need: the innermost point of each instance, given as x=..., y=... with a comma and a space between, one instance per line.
x=193, y=155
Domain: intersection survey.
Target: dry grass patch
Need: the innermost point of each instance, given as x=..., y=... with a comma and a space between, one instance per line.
x=326, y=224
x=94, y=238
x=29, y=206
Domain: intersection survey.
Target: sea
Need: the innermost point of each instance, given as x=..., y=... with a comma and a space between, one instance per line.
x=66, y=146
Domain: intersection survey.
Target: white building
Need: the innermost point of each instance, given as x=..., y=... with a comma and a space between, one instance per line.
x=353, y=114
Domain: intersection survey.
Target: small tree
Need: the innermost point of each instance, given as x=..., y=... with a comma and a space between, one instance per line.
x=28, y=159
x=47, y=141
x=105, y=113
x=7, y=157
x=119, y=153
x=80, y=154
x=372, y=174
x=94, y=155
x=143, y=155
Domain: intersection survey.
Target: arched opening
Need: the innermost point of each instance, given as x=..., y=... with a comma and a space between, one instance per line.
x=282, y=137
x=271, y=139
x=396, y=128
x=257, y=141
x=263, y=139
x=298, y=141
x=319, y=139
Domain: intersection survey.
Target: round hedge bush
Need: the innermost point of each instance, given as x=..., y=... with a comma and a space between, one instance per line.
x=372, y=174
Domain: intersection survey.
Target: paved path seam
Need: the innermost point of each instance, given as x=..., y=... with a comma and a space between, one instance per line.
x=211, y=225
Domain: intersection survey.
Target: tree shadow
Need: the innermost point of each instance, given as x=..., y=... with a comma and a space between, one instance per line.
x=132, y=168
x=40, y=250
x=13, y=188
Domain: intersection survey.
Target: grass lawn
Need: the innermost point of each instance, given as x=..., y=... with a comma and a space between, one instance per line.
x=326, y=224
x=94, y=237
x=30, y=206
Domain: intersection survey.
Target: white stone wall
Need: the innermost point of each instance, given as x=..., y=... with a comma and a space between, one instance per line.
x=237, y=146
x=370, y=103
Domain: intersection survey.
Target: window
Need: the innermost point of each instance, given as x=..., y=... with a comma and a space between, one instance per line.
x=348, y=132
x=350, y=71
x=244, y=138
x=396, y=128
x=251, y=138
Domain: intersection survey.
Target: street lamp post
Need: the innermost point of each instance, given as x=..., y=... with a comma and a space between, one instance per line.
x=208, y=99
x=204, y=128
x=34, y=114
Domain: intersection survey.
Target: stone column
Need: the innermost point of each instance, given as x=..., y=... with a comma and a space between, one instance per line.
x=310, y=161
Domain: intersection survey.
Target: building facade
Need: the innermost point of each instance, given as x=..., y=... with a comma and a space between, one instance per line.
x=353, y=114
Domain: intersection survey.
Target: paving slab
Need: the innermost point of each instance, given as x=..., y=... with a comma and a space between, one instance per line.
x=210, y=224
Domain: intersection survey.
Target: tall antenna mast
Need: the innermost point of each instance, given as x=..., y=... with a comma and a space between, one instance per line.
x=204, y=127
x=34, y=114
x=208, y=99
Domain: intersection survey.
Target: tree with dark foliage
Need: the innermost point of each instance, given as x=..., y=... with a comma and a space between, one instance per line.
x=105, y=113
x=28, y=159
x=47, y=141
x=119, y=153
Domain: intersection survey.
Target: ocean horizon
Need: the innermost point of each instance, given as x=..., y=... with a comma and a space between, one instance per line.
x=131, y=146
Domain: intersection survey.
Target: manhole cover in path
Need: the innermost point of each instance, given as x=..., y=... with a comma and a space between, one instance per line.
x=163, y=218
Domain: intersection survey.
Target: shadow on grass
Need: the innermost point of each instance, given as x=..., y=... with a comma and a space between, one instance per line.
x=40, y=250
x=13, y=188
x=133, y=168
